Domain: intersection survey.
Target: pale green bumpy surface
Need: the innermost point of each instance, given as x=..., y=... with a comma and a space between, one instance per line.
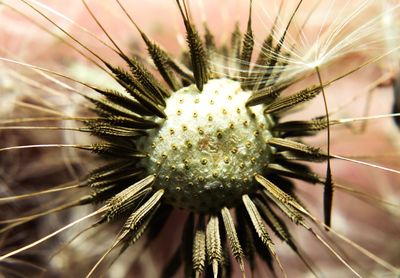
x=207, y=150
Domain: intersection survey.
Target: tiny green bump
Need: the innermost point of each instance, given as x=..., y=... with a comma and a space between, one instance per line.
x=226, y=159
x=204, y=161
x=248, y=144
x=189, y=144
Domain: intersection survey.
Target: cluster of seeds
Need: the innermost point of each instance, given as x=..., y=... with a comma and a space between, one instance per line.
x=208, y=141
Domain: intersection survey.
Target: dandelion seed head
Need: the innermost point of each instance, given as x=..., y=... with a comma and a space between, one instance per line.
x=205, y=151
x=212, y=128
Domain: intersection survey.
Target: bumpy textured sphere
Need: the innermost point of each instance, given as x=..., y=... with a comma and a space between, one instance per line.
x=209, y=147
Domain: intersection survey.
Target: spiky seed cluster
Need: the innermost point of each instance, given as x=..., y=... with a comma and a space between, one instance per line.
x=206, y=147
